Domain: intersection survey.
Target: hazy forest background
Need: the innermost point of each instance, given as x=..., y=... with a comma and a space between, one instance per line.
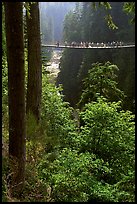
x=69, y=138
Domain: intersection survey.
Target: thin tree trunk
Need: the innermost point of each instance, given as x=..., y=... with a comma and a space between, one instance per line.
x=16, y=93
x=34, y=85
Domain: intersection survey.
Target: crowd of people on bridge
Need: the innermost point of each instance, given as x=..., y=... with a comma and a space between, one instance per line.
x=91, y=44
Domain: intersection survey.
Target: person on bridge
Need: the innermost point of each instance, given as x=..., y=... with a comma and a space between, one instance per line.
x=66, y=43
x=81, y=44
x=86, y=44
x=57, y=43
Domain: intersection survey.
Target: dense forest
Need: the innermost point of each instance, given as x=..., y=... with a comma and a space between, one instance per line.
x=52, y=15
x=89, y=26
x=73, y=139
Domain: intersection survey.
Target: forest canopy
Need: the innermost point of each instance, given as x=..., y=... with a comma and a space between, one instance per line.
x=68, y=137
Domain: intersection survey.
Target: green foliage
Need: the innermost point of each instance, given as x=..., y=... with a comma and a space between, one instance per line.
x=56, y=114
x=46, y=56
x=105, y=4
x=100, y=161
x=74, y=177
x=126, y=187
x=71, y=26
x=27, y=7
x=34, y=135
x=54, y=131
x=101, y=81
x=65, y=164
x=110, y=22
x=129, y=8
x=34, y=190
x=108, y=17
x=110, y=133
x=91, y=27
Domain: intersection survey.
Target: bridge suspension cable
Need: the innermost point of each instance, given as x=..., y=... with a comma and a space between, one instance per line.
x=92, y=45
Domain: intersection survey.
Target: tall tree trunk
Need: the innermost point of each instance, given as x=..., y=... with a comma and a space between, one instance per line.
x=16, y=93
x=34, y=86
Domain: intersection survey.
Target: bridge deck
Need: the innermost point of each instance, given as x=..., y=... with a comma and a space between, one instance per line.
x=94, y=47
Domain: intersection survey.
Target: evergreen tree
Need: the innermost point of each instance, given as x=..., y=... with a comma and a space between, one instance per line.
x=34, y=85
x=16, y=94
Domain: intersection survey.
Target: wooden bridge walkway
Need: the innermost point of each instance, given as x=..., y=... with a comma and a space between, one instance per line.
x=90, y=47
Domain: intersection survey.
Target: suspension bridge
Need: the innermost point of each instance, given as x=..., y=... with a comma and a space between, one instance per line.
x=92, y=46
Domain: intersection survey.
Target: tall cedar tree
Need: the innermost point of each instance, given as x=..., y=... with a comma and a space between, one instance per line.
x=16, y=93
x=34, y=85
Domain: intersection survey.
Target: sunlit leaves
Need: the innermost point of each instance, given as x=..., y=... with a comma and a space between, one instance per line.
x=74, y=176
x=108, y=17
x=27, y=7
x=110, y=22
x=110, y=133
x=105, y=4
x=101, y=80
x=96, y=159
x=129, y=8
x=56, y=114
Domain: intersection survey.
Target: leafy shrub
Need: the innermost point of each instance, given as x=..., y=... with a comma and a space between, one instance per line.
x=109, y=132
x=101, y=81
x=100, y=163
x=73, y=177
x=126, y=188
x=56, y=115
x=76, y=177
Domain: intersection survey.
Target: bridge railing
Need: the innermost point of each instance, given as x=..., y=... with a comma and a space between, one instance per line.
x=92, y=44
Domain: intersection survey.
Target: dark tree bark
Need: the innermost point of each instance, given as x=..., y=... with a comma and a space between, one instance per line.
x=16, y=93
x=34, y=86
